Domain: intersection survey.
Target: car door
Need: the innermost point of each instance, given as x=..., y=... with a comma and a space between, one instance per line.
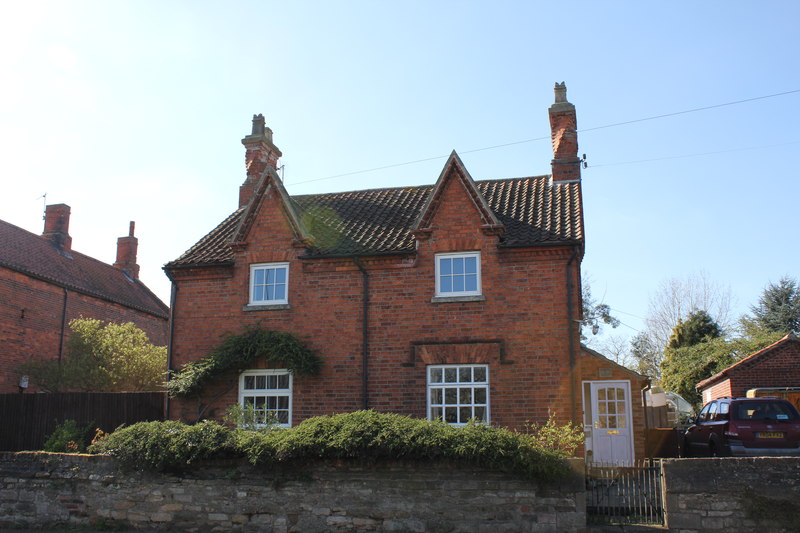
x=696, y=440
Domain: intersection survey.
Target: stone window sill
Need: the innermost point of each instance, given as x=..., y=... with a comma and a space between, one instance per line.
x=454, y=299
x=271, y=307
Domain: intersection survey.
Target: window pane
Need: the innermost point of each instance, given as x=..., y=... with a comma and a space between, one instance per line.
x=280, y=275
x=601, y=408
x=283, y=417
x=258, y=276
x=261, y=382
x=450, y=375
x=258, y=293
x=436, y=396
x=465, y=374
x=272, y=382
x=451, y=415
x=620, y=407
x=480, y=395
x=270, y=292
x=259, y=402
x=601, y=421
x=436, y=413
x=480, y=413
x=458, y=284
x=465, y=396
x=445, y=267
x=471, y=265
x=270, y=276
x=612, y=408
x=601, y=394
x=280, y=292
x=620, y=394
x=622, y=421
x=458, y=265
x=436, y=375
x=446, y=284
x=464, y=414
x=283, y=381
x=272, y=403
x=471, y=283
x=450, y=395
x=480, y=373
x=283, y=402
x=249, y=382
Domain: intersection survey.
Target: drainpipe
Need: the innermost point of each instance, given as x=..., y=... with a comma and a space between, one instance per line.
x=570, y=326
x=364, y=335
x=172, y=297
x=63, y=327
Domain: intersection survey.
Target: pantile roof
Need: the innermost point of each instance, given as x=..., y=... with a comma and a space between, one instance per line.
x=747, y=361
x=36, y=256
x=533, y=211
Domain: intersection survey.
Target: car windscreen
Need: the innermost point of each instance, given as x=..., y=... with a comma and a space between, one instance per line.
x=764, y=410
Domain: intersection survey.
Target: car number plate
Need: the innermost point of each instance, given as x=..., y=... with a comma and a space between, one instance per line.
x=772, y=435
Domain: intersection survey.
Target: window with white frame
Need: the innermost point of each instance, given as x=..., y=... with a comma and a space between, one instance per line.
x=458, y=393
x=268, y=395
x=269, y=284
x=458, y=274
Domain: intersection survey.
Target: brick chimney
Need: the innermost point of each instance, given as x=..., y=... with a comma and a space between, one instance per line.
x=56, y=226
x=260, y=154
x=564, y=134
x=126, y=253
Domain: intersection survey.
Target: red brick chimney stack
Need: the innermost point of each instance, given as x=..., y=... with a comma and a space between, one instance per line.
x=564, y=133
x=260, y=154
x=126, y=253
x=56, y=226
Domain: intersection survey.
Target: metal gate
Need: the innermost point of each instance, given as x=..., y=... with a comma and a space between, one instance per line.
x=624, y=494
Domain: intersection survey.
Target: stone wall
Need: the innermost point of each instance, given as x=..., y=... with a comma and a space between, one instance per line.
x=40, y=489
x=732, y=495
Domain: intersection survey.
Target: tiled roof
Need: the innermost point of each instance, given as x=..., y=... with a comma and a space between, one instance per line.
x=749, y=360
x=33, y=255
x=533, y=211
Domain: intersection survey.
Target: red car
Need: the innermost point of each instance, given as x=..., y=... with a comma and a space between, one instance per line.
x=744, y=427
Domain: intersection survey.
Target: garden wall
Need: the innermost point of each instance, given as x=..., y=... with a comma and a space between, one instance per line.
x=41, y=489
x=732, y=494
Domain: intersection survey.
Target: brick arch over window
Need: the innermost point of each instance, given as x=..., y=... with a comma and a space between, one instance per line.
x=452, y=353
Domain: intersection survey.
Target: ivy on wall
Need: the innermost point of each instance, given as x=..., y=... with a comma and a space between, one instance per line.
x=237, y=353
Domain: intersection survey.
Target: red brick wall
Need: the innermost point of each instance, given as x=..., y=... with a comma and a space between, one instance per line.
x=31, y=318
x=780, y=367
x=520, y=330
x=719, y=390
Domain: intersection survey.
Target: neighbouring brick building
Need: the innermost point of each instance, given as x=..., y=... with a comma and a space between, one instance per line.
x=458, y=300
x=776, y=366
x=44, y=284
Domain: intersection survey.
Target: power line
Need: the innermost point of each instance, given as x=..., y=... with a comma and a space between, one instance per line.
x=693, y=155
x=524, y=141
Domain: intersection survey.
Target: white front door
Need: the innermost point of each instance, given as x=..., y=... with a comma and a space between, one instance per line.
x=611, y=434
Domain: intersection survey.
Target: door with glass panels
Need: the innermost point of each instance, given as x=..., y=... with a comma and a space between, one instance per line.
x=611, y=434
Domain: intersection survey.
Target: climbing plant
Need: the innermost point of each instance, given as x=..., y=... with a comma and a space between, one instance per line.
x=237, y=353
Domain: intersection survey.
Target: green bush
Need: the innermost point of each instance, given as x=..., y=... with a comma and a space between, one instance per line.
x=166, y=446
x=68, y=437
x=363, y=435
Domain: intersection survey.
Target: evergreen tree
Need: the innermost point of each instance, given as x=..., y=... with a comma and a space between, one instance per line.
x=778, y=308
x=698, y=327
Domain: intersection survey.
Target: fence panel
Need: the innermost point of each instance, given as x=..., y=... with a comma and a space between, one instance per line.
x=625, y=494
x=29, y=418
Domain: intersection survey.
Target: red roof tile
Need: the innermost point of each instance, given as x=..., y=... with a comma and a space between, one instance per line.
x=35, y=256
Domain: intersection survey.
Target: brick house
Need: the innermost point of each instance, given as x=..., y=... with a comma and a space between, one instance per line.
x=44, y=284
x=457, y=300
x=776, y=366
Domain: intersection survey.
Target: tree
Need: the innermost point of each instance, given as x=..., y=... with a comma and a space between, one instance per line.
x=676, y=298
x=595, y=313
x=647, y=356
x=685, y=366
x=699, y=327
x=778, y=307
x=102, y=357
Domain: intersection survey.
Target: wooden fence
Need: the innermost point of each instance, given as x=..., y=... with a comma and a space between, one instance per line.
x=28, y=419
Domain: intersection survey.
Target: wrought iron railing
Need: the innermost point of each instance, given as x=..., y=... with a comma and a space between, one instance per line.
x=624, y=494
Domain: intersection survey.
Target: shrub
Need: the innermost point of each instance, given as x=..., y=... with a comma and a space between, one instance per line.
x=165, y=446
x=363, y=435
x=68, y=437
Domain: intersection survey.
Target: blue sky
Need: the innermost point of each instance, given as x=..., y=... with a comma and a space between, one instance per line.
x=135, y=111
